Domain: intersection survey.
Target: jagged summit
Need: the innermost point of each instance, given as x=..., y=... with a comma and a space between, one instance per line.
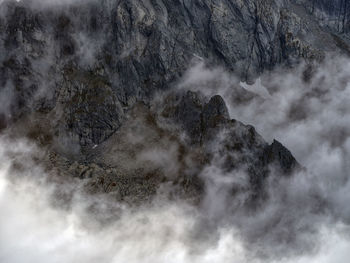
x=83, y=75
x=53, y=54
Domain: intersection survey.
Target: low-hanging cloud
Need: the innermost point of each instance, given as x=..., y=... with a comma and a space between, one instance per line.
x=305, y=219
x=305, y=108
x=32, y=229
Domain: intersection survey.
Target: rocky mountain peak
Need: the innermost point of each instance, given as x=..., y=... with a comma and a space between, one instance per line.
x=83, y=66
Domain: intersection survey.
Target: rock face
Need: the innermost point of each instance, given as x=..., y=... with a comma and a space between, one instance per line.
x=84, y=59
x=335, y=14
x=149, y=152
x=194, y=116
x=230, y=144
x=83, y=75
x=277, y=153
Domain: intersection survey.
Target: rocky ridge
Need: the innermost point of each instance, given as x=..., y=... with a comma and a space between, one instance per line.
x=168, y=148
x=82, y=77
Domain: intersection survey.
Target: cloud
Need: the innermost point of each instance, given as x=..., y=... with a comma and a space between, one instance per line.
x=305, y=108
x=305, y=219
x=33, y=230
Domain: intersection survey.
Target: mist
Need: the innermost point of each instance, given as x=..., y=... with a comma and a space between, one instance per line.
x=47, y=216
x=33, y=229
x=304, y=220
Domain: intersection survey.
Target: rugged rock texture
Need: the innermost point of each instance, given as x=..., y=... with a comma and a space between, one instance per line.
x=158, y=150
x=227, y=143
x=278, y=154
x=80, y=77
x=55, y=56
x=335, y=14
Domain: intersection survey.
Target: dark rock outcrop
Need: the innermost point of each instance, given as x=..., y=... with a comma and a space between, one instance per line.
x=196, y=117
x=81, y=77
x=229, y=144
x=127, y=50
x=149, y=152
x=333, y=13
x=278, y=154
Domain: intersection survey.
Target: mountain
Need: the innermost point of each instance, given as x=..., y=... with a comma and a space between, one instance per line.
x=94, y=82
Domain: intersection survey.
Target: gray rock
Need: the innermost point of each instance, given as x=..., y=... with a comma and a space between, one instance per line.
x=148, y=154
x=140, y=47
x=230, y=144
x=333, y=13
x=278, y=154
x=90, y=70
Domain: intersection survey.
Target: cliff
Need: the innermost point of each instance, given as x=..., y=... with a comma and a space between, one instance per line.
x=75, y=72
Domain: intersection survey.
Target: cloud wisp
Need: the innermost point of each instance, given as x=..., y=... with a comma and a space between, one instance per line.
x=305, y=218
